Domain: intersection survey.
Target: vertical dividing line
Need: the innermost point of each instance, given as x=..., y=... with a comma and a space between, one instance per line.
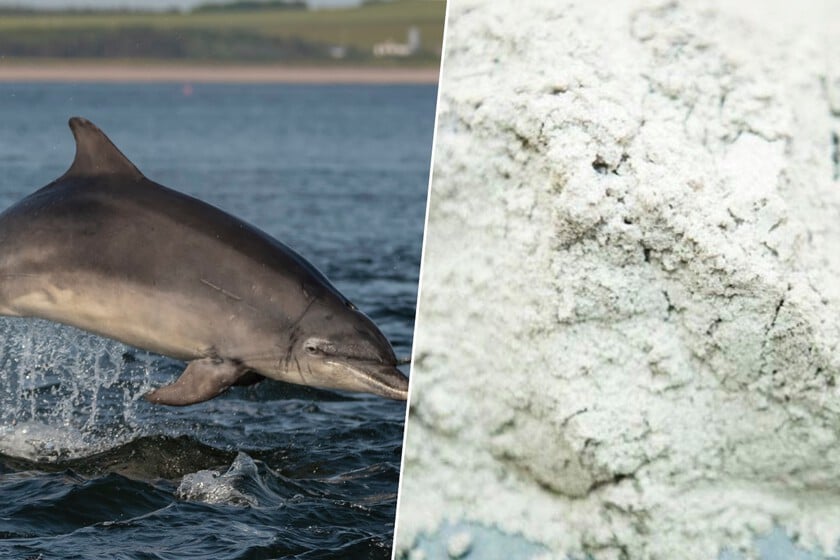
x=420, y=279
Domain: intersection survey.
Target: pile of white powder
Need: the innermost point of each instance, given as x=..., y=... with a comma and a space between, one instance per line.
x=628, y=330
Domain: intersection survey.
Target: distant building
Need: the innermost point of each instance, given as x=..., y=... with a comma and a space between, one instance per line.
x=413, y=39
x=338, y=51
x=392, y=48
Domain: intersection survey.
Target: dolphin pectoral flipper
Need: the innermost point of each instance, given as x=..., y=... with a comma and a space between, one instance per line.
x=201, y=381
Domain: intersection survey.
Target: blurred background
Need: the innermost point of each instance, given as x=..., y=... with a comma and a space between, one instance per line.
x=323, y=33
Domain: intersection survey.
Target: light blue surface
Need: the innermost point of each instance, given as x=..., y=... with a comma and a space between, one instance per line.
x=487, y=543
x=491, y=544
x=779, y=546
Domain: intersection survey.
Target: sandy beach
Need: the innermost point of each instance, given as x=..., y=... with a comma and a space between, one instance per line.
x=193, y=73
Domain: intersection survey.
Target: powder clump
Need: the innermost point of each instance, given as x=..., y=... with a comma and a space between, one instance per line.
x=628, y=329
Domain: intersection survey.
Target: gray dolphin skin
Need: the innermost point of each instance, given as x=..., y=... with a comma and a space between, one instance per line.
x=105, y=249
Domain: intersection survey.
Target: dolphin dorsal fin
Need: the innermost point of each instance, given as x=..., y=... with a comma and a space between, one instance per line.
x=96, y=154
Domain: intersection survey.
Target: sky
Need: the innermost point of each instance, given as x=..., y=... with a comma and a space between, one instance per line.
x=144, y=4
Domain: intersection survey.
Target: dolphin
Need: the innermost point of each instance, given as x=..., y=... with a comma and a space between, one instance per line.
x=105, y=249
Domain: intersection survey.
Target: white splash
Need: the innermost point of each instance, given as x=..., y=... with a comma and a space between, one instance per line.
x=66, y=393
x=213, y=487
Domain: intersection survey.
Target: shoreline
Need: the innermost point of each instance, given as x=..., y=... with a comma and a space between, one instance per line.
x=109, y=72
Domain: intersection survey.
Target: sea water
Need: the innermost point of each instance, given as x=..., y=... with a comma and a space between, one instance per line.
x=88, y=469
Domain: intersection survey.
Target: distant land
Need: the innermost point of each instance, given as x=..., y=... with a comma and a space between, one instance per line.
x=399, y=34
x=183, y=5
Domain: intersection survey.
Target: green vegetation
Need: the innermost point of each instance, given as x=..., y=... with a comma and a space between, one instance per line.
x=242, y=5
x=246, y=30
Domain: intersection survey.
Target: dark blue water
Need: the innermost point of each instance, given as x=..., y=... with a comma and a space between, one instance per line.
x=88, y=469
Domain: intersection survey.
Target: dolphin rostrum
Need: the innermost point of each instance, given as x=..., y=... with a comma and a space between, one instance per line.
x=105, y=249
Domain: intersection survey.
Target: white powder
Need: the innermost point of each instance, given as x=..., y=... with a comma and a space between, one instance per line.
x=459, y=544
x=627, y=341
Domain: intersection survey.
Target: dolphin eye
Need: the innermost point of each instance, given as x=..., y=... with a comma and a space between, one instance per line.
x=349, y=304
x=311, y=348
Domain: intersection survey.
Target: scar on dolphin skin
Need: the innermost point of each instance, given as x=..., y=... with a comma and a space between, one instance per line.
x=215, y=287
x=104, y=205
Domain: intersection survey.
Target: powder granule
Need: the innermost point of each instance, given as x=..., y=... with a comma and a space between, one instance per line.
x=627, y=340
